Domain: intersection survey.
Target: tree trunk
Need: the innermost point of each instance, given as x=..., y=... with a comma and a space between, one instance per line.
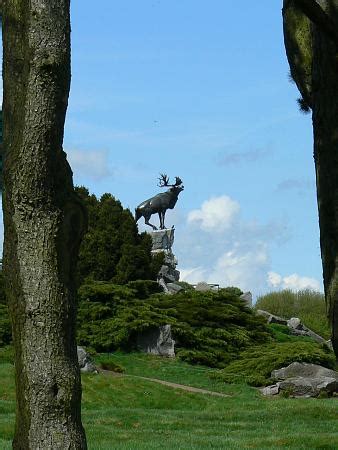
x=325, y=131
x=44, y=222
x=311, y=43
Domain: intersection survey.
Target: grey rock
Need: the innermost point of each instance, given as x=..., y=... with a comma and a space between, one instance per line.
x=299, y=329
x=85, y=361
x=174, y=288
x=247, y=297
x=295, y=323
x=297, y=369
x=157, y=341
x=273, y=389
x=271, y=318
x=169, y=273
x=306, y=380
x=162, y=239
x=203, y=287
x=308, y=387
x=162, y=242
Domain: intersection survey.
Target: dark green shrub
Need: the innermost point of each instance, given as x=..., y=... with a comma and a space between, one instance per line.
x=107, y=363
x=209, y=328
x=3, y=300
x=254, y=365
x=5, y=326
x=144, y=288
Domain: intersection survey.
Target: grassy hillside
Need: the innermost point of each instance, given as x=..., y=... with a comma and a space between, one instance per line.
x=308, y=305
x=129, y=413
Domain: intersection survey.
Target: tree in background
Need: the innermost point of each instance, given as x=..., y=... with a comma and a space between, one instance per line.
x=43, y=225
x=112, y=249
x=311, y=42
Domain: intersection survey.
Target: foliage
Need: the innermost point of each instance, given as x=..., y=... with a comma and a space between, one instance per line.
x=209, y=328
x=308, y=305
x=107, y=363
x=110, y=315
x=7, y=354
x=112, y=249
x=3, y=300
x=254, y=365
x=186, y=286
x=5, y=326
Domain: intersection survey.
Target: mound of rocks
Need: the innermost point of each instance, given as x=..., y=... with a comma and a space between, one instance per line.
x=303, y=380
x=295, y=326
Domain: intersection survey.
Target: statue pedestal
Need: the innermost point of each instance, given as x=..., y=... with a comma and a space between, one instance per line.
x=163, y=241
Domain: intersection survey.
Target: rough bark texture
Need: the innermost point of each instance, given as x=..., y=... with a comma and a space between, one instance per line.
x=323, y=86
x=44, y=222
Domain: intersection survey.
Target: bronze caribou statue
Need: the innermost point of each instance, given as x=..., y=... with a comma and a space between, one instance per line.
x=161, y=202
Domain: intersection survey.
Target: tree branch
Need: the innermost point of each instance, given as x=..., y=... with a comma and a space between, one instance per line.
x=317, y=15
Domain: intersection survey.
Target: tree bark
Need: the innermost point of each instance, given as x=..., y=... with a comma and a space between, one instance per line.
x=325, y=132
x=43, y=225
x=313, y=58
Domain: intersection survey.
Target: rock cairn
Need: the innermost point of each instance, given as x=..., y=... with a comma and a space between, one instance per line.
x=168, y=276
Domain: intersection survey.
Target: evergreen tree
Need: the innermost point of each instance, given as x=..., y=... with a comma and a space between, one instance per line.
x=112, y=249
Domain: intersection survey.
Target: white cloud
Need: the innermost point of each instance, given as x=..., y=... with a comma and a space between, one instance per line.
x=240, y=267
x=216, y=214
x=237, y=254
x=193, y=275
x=274, y=279
x=92, y=163
x=294, y=282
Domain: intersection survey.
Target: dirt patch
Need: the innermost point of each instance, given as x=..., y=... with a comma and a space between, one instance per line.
x=167, y=383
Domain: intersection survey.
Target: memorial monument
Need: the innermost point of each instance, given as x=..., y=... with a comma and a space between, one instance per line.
x=163, y=238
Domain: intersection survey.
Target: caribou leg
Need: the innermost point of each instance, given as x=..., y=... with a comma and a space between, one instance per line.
x=161, y=216
x=146, y=221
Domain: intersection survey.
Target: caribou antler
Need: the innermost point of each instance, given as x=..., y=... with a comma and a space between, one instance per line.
x=164, y=180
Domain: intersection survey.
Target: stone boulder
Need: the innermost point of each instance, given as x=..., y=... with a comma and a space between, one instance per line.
x=308, y=387
x=157, y=341
x=85, y=361
x=162, y=239
x=202, y=286
x=299, y=329
x=271, y=318
x=247, y=297
x=174, y=288
x=295, y=326
x=303, y=380
x=273, y=389
x=297, y=369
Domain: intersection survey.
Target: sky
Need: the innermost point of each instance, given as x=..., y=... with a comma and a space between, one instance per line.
x=199, y=90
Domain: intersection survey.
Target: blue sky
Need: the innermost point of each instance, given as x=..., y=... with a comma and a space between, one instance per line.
x=199, y=90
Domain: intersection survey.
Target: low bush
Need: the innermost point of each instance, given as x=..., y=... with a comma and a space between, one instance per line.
x=254, y=365
x=106, y=363
x=5, y=326
x=308, y=305
x=209, y=328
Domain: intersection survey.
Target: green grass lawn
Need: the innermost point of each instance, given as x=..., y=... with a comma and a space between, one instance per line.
x=130, y=413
